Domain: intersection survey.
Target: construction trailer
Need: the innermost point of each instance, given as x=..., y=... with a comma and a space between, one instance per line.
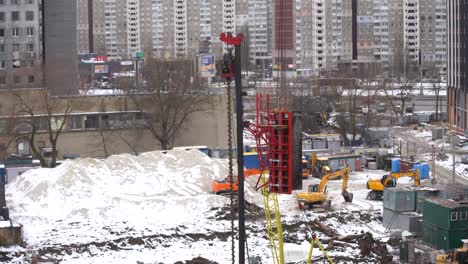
x=445, y=223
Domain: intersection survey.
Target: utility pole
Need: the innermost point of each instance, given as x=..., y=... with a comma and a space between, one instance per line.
x=453, y=156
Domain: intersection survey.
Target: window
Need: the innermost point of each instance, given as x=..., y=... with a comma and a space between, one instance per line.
x=15, y=32
x=30, y=2
x=15, y=16
x=91, y=121
x=30, y=31
x=2, y=64
x=16, y=47
x=2, y=48
x=30, y=47
x=75, y=122
x=454, y=216
x=2, y=80
x=30, y=63
x=2, y=32
x=15, y=2
x=29, y=15
x=31, y=79
x=2, y=16
x=463, y=215
x=2, y=2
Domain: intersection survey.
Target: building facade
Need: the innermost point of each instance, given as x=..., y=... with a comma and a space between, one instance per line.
x=60, y=46
x=20, y=47
x=162, y=28
x=457, y=64
x=260, y=31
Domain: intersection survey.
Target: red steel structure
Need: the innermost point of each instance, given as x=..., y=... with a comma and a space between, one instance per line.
x=273, y=134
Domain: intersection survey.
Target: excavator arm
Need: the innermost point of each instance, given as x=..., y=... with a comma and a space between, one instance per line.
x=342, y=173
x=413, y=174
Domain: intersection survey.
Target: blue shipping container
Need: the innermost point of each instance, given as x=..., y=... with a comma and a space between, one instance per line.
x=395, y=165
x=251, y=161
x=418, y=166
x=425, y=170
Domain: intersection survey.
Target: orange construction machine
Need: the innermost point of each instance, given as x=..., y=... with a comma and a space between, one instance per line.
x=224, y=186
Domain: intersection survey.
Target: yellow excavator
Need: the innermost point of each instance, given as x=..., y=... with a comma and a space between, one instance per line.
x=316, y=195
x=378, y=185
x=457, y=256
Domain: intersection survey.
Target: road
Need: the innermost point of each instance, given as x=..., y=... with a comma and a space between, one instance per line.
x=428, y=103
x=442, y=174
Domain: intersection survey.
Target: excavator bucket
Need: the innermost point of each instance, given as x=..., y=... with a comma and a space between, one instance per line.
x=348, y=197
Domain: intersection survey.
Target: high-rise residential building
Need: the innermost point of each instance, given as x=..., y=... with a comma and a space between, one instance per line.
x=389, y=33
x=411, y=30
x=457, y=64
x=325, y=34
x=260, y=31
x=60, y=46
x=164, y=28
x=91, y=28
x=433, y=36
x=20, y=47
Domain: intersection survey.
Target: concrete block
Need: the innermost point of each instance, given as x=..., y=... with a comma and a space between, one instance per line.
x=10, y=234
x=409, y=221
x=399, y=199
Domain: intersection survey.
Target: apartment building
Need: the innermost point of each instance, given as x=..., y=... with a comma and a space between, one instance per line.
x=60, y=46
x=260, y=24
x=457, y=64
x=389, y=33
x=164, y=28
x=20, y=49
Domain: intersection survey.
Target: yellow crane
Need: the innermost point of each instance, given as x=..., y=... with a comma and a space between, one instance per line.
x=378, y=185
x=316, y=193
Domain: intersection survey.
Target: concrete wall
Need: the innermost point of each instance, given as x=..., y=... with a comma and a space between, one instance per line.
x=202, y=128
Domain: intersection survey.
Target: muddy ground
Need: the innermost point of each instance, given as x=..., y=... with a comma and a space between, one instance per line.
x=365, y=249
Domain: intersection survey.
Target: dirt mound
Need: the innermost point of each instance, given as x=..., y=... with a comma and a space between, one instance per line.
x=369, y=246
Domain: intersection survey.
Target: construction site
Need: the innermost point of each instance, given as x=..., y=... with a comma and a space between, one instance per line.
x=280, y=195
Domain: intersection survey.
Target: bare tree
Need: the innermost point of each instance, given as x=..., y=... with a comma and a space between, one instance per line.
x=170, y=94
x=436, y=85
x=40, y=113
x=348, y=119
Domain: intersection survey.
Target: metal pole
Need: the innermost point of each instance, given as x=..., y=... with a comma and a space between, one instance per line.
x=240, y=153
x=433, y=165
x=136, y=73
x=453, y=154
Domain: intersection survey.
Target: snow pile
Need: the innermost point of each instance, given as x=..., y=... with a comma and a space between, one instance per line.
x=179, y=172
x=421, y=134
x=86, y=198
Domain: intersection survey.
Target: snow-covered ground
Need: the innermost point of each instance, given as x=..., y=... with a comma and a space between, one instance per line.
x=442, y=146
x=158, y=208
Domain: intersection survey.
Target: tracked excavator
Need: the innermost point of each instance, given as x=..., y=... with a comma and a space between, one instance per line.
x=224, y=186
x=316, y=194
x=377, y=186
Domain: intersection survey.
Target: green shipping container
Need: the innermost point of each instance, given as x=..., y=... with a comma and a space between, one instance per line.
x=446, y=214
x=439, y=238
